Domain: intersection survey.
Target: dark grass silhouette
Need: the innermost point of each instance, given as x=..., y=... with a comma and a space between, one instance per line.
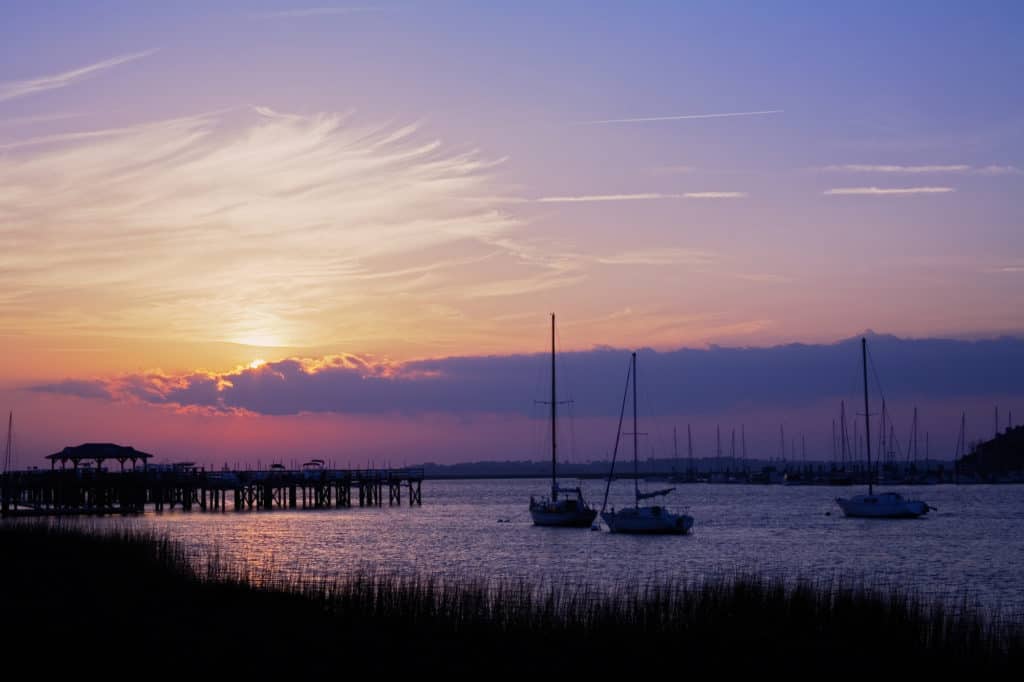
x=76, y=600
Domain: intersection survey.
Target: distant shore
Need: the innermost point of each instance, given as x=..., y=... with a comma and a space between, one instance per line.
x=83, y=592
x=661, y=476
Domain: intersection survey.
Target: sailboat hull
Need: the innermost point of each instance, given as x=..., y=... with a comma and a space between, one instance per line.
x=563, y=513
x=579, y=519
x=883, y=506
x=648, y=521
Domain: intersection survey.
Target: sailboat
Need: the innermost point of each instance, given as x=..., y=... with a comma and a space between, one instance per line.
x=6, y=492
x=9, y=450
x=883, y=505
x=654, y=519
x=566, y=506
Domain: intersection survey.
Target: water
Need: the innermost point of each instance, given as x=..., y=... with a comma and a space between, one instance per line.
x=972, y=547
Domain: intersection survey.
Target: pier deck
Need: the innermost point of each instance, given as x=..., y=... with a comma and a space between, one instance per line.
x=96, y=491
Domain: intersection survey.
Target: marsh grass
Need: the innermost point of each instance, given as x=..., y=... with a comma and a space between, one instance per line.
x=129, y=593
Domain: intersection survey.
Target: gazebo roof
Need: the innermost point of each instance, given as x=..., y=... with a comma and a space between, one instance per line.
x=98, y=452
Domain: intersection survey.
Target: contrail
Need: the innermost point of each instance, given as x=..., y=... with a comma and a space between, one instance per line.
x=607, y=197
x=684, y=117
x=13, y=89
x=880, y=191
x=638, y=197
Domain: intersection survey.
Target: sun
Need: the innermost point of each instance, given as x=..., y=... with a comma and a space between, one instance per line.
x=257, y=363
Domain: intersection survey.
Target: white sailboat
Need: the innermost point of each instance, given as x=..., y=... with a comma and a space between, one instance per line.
x=566, y=506
x=653, y=519
x=889, y=505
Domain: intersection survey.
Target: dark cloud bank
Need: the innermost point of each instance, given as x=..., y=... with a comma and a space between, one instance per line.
x=685, y=381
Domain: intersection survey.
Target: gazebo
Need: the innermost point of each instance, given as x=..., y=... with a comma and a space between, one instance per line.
x=98, y=453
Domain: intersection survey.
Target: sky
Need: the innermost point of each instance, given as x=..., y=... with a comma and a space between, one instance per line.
x=260, y=230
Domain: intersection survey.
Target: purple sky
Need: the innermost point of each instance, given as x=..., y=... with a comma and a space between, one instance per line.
x=188, y=190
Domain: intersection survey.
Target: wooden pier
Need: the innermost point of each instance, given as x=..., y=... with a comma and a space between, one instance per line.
x=85, y=489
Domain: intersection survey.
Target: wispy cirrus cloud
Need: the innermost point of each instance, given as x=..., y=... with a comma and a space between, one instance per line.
x=58, y=138
x=641, y=196
x=662, y=256
x=584, y=198
x=681, y=117
x=32, y=120
x=551, y=278
x=892, y=168
x=960, y=168
x=22, y=88
x=715, y=195
x=249, y=226
x=887, y=191
x=998, y=170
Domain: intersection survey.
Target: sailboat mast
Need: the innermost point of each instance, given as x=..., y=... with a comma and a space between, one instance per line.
x=915, y=435
x=891, y=455
x=10, y=442
x=867, y=418
x=5, y=492
x=883, y=452
x=675, y=446
x=618, y=435
x=554, y=408
x=844, y=434
x=636, y=433
x=689, y=447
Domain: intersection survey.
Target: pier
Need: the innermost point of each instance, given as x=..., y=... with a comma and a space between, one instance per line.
x=87, y=487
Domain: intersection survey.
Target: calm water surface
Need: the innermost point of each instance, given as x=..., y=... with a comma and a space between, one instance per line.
x=972, y=546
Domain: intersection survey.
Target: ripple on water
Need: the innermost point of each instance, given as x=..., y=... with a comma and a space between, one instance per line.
x=972, y=548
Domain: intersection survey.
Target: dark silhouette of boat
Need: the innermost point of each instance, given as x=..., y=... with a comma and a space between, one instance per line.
x=565, y=507
x=889, y=505
x=646, y=520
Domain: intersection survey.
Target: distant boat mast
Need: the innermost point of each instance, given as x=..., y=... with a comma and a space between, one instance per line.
x=867, y=412
x=844, y=434
x=689, y=447
x=743, y=441
x=9, y=451
x=675, y=446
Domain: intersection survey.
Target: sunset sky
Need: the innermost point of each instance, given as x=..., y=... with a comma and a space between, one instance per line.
x=307, y=200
